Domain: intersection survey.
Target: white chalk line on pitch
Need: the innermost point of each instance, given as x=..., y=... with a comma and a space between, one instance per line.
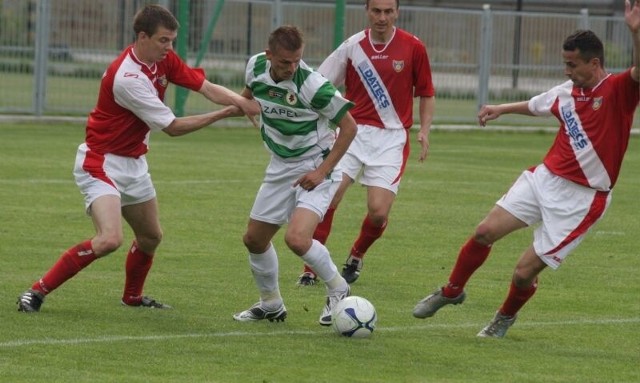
x=35, y=181
x=125, y=338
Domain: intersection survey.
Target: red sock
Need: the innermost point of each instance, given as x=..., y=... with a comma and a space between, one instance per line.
x=137, y=267
x=69, y=264
x=517, y=298
x=324, y=228
x=471, y=257
x=368, y=235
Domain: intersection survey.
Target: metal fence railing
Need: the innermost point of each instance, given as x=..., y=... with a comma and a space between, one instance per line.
x=53, y=52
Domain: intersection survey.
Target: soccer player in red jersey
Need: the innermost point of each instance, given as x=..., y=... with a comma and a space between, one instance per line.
x=571, y=189
x=111, y=168
x=382, y=68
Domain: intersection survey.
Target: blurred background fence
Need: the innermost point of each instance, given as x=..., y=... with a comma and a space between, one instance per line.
x=53, y=52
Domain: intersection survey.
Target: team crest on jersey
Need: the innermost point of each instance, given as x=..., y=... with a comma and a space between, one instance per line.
x=291, y=98
x=597, y=103
x=398, y=65
x=162, y=80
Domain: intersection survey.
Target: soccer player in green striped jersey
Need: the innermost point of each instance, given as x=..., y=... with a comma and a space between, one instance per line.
x=299, y=110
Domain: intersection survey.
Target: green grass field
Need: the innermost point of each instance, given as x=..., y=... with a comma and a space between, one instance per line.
x=582, y=326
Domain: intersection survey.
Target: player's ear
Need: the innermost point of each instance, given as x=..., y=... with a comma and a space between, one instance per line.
x=594, y=63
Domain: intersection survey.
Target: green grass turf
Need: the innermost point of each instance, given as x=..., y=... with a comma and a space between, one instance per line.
x=582, y=326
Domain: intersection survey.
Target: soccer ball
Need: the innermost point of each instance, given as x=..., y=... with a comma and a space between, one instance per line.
x=354, y=317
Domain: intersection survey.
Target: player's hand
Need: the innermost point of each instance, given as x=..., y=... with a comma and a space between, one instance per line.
x=251, y=109
x=235, y=111
x=632, y=15
x=310, y=180
x=254, y=120
x=423, y=139
x=487, y=113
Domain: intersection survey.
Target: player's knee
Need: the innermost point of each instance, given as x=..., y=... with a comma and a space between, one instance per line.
x=484, y=234
x=150, y=241
x=524, y=277
x=247, y=241
x=378, y=219
x=299, y=244
x=254, y=244
x=106, y=244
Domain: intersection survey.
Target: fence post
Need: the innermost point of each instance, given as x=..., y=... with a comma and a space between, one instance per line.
x=584, y=18
x=517, y=39
x=43, y=16
x=276, y=14
x=183, y=49
x=338, y=32
x=210, y=27
x=484, y=72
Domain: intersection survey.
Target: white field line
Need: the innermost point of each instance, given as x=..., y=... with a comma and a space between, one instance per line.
x=12, y=119
x=36, y=181
x=126, y=338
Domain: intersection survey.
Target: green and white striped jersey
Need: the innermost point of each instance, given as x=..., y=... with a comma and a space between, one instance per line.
x=296, y=113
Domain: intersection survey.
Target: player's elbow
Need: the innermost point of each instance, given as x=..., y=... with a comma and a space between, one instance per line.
x=348, y=126
x=173, y=130
x=349, y=131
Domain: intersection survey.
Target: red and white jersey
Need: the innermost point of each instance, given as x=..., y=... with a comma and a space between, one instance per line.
x=595, y=125
x=381, y=79
x=130, y=102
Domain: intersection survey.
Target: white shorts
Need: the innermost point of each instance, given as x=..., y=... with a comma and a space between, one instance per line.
x=125, y=177
x=565, y=210
x=378, y=155
x=277, y=198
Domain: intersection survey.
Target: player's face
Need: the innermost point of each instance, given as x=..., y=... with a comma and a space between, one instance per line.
x=284, y=63
x=157, y=46
x=581, y=72
x=382, y=17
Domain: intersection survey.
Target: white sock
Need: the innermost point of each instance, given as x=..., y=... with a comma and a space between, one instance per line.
x=319, y=260
x=264, y=268
x=338, y=283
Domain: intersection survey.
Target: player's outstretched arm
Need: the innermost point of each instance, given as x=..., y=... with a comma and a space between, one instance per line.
x=237, y=112
x=491, y=112
x=184, y=125
x=632, y=18
x=223, y=96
